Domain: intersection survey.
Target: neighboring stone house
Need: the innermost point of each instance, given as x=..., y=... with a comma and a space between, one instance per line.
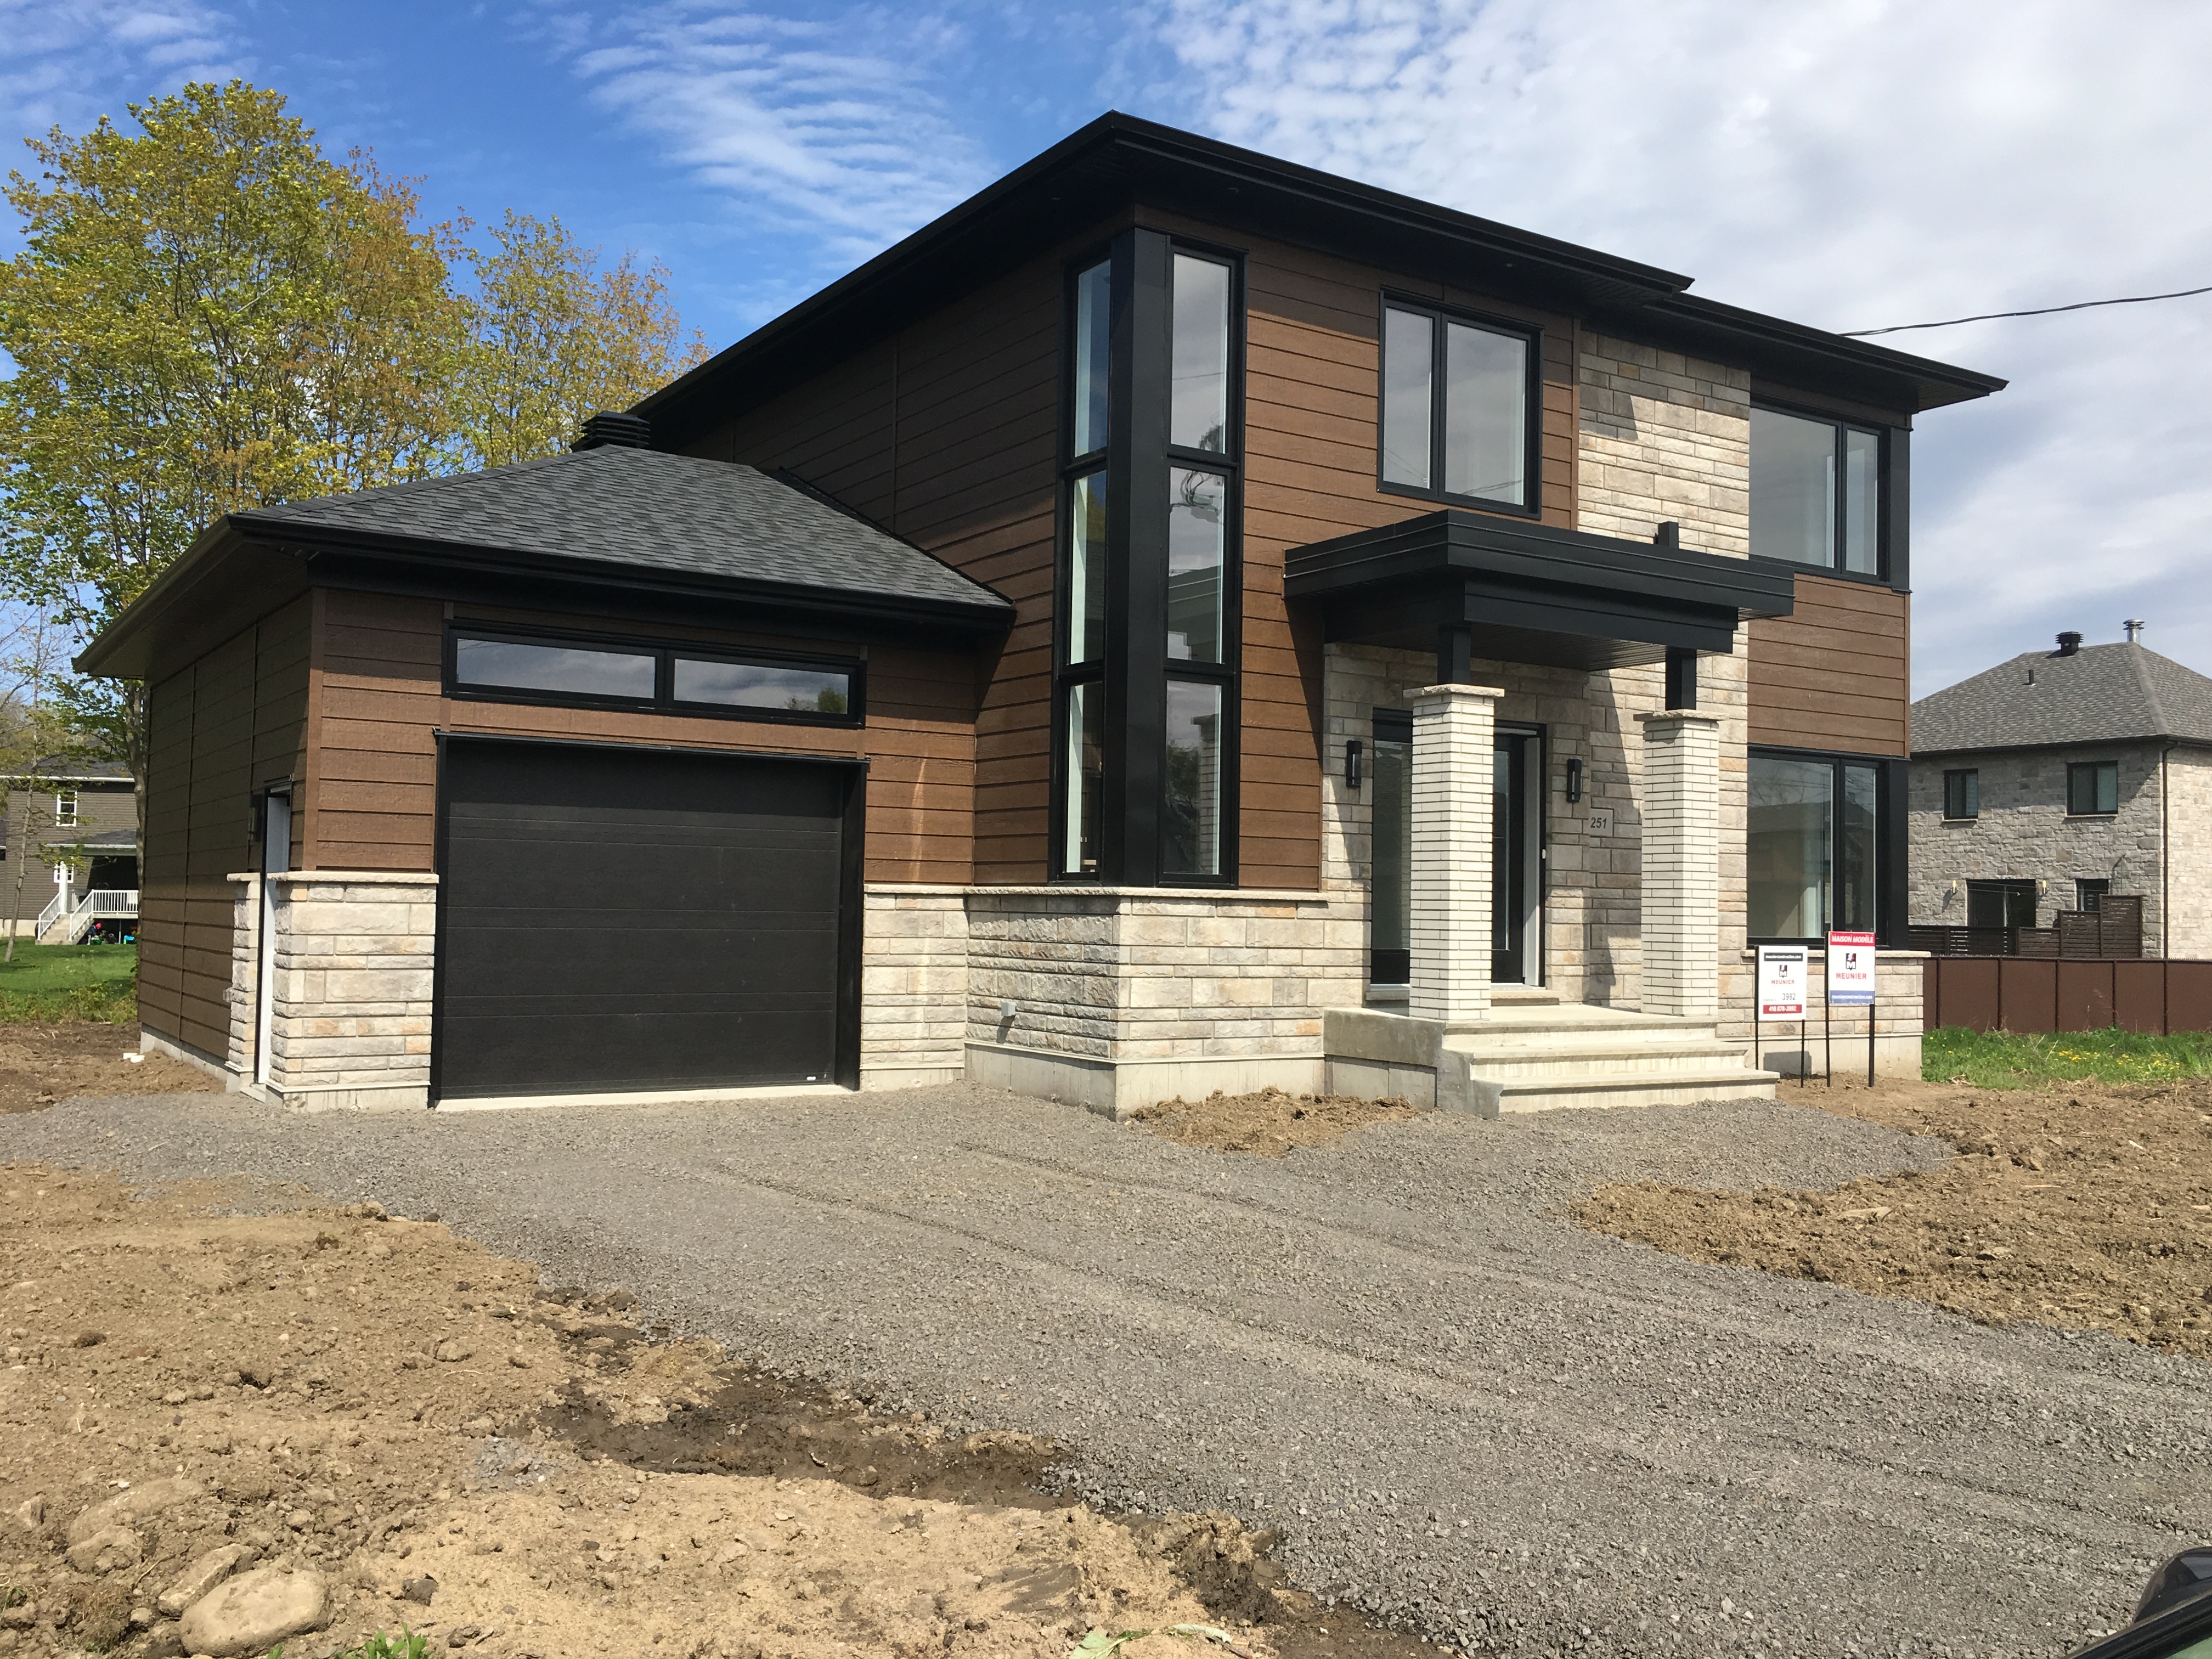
x=1179, y=621
x=2052, y=779
x=83, y=830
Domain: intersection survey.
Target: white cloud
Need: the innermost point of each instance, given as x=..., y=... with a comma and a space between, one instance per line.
x=1851, y=165
x=70, y=62
x=829, y=127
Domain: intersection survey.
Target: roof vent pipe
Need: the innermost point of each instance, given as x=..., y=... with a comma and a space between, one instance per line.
x=2068, y=643
x=607, y=430
x=2135, y=626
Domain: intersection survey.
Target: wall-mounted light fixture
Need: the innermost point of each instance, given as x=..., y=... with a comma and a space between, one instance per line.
x=1353, y=751
x=1574, y=778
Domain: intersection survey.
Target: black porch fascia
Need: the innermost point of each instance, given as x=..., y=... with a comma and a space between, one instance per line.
x=1529, y=592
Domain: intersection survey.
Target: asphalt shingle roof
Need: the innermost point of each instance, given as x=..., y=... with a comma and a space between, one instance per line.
x=654, y=511
x=2101, y=694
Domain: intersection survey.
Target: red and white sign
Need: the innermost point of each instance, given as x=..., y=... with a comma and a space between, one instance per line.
x=1850, y=971
x=1782, y=981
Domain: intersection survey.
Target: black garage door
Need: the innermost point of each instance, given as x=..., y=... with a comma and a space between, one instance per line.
x=637, y=919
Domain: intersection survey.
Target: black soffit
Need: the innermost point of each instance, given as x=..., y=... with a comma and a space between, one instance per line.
x=1119, y=162
x=1529, y=592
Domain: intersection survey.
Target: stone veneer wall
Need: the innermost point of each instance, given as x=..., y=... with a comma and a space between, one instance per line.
x=353, y=962
x=2188, y=884
x=1119, y=993
x=2024, y=833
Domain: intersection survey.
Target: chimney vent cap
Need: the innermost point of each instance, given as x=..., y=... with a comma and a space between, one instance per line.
x=609, y=430
x=2068, y=643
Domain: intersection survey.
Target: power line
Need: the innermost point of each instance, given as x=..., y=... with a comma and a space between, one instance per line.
x=2042, y=311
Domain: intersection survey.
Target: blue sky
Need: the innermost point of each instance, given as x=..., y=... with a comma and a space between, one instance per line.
x=1848, y=163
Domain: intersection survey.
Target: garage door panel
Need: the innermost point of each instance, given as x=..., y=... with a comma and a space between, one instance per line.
x=637, y=919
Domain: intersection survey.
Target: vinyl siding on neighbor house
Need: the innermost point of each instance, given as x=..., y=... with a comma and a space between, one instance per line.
x=231, y=722
x=378, y=702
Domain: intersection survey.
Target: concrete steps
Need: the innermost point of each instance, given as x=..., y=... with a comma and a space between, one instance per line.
x=1535, y=1053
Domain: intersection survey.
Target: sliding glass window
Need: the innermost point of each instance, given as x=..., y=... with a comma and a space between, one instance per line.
x=1813, y=842
x=1458, y=400
x=1816, y=492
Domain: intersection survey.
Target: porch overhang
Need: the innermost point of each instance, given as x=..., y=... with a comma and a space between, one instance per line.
x=1529, y=592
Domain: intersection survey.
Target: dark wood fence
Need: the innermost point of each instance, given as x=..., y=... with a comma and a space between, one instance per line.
x=2112, y=930
x=2019, y=994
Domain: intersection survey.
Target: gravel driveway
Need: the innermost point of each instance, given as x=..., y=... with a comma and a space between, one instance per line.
x=1467, y=1414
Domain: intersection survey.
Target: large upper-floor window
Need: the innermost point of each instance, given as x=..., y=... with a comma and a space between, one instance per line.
x=1812, y=838
x=1458, y=402
x=1816, y=492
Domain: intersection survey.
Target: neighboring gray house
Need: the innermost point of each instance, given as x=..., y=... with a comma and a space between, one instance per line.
x=85, y=828
x=2052, y=779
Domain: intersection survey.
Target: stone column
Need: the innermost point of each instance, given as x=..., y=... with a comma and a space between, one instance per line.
x=1455, y=745
x=1681, y=864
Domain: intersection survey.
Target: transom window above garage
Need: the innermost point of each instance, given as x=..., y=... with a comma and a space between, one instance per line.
x=502, y=666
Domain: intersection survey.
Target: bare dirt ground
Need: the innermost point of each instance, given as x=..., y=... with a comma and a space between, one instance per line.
x=42, y=1062
x=2080, y=1205
x=521, y=1472
x=1271, y=1122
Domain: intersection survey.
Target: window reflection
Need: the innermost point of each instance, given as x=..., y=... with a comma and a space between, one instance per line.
x=1190, y=815
x=1198, y=400
x=1408, y=351
x=1813, y=838
x=1086, y=569
x=1086, y=772
x=577, y=670
x=760, y=685
x=1093, y=290
x=1485, y=414
x=1197, y=535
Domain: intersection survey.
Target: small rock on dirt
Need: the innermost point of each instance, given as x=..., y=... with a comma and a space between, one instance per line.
x=254, y=1612
x=205, y=1572
x=451, y=1352
x=107, y=1550
x=29, y=1515
x=134, y=1505
x=419, y=1589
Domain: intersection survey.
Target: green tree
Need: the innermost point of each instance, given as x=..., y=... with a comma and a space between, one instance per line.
x=207, y=315
x=555, y=338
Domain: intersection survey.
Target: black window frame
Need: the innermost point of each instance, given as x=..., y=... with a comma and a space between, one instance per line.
x=1133, y=669
x=665, y=652
x=1888, y=462
x=1531, y=395
x=2004, y=891
x=1968, y=781
x=2091, y=891
x=1892, y=848
x=2075, y=769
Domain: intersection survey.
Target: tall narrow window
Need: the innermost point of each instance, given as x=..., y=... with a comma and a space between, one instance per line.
x=1816, y=492
x=1197, y=529
x=1086, y=762
x=1086, y=569
x=1190, y=815
x=1198, y=413
x=1408, y=351
x=1094, y=291
x=1390, y=942
x=1456, y=403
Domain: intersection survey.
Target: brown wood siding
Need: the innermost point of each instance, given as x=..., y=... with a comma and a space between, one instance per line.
x=231, y=722
x=948, y=435
x=1311, y=423
x=1836, y=674
x=380, y=703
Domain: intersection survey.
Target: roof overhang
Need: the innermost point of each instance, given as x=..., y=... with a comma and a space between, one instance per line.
x=1529, y=592
x=1119, y=162
x=238, y=571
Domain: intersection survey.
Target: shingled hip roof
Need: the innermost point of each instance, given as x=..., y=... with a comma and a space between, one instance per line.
x=2100, y=694
x=675, y=514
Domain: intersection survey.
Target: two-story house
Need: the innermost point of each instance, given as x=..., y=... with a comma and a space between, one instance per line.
x=2058, y=779
x=1178, y=621
x=75, y=835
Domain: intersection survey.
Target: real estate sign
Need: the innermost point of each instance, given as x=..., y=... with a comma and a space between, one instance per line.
x=1850, y=971
x=1782, y=981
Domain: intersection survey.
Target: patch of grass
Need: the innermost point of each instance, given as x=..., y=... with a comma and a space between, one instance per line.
x=2005, y=1060
x=71, y=982
x=377, y=1645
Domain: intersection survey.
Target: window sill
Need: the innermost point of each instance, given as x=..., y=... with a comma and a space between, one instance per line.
x=1964, y=824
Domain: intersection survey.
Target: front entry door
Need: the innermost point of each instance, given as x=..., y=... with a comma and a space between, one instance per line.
x=1508, y=860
